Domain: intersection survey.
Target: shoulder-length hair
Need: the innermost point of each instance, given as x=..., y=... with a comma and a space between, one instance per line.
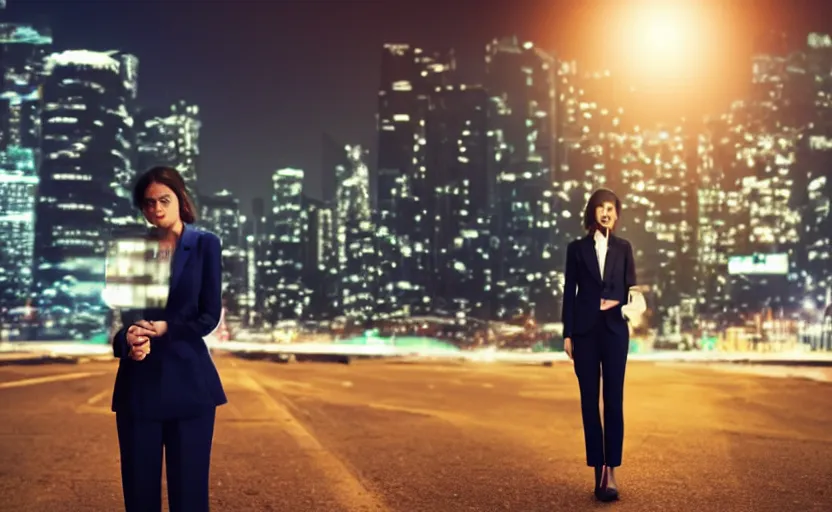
x=598, y=198
x=171, y=178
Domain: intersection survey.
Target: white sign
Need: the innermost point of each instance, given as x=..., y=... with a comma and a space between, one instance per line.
x=759, y=264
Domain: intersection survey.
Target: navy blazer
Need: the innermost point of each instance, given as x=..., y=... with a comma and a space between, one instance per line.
x=585, y=287
x=178, y=378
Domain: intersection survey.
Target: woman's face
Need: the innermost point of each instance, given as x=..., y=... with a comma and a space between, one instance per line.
x=605, y=215
x=161, y=206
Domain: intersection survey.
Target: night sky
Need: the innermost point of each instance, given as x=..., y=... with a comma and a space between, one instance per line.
x=272, y=76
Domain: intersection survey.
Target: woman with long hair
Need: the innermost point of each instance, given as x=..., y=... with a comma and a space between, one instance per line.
x=600, y=270
x=166, y=400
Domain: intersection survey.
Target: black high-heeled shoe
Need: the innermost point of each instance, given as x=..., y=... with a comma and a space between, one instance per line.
x=602, y=491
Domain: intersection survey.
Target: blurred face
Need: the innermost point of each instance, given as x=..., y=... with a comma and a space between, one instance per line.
x=605, y=215
x=161, y=206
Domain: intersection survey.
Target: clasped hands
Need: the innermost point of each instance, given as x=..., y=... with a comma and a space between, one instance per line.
x=139, y=334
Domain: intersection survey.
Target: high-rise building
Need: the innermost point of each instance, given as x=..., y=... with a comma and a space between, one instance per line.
x=285, y=295
x=254, y=297
x=22, y=52
x=712, y=203
x=23, y=49
x=185, y=116
x=408, y=76
x=321, y=266
x=18, y=182
x=723, y=222
x=220, y=213
x=155, y=139
x=351, y=273
x=320, y=270
x=460, y=172
x=355, y=238
x=171, y=138
x=521, y=81
x=333, y=164
x=814, y=158
x=87, y=167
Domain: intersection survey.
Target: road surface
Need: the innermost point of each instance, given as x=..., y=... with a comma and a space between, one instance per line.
x=375, y=436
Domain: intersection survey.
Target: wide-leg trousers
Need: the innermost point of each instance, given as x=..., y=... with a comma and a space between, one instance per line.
x=187, y=451
x=602, y=353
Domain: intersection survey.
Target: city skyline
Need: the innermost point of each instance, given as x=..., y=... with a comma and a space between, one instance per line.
x=467, y=206
x=274, y=122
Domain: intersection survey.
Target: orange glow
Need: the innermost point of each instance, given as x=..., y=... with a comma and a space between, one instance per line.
x=668, y=57
x=659, y=38
x=664, y=32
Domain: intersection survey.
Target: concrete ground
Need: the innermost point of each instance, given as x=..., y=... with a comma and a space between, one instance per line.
x=376, y=436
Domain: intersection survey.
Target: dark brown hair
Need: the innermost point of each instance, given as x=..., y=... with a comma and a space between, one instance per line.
x=169, y=177
x=598, y=198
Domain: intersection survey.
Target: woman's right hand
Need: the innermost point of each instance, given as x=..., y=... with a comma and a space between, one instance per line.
x=567, y=347
x=138, y=341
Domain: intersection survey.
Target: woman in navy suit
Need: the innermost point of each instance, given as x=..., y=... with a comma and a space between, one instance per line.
x=600, y=270
x=167, y=397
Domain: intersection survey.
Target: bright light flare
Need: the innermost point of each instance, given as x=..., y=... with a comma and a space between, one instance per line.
x=660, y=38
x=665, y=32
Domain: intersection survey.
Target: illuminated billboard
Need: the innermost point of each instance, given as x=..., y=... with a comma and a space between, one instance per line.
x=759, y=264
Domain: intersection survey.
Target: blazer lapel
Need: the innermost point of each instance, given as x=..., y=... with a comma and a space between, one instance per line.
x=180, y=257
x=591, y=258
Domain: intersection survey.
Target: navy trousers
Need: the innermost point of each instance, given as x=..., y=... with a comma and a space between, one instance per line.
x=187, y=451
x=602, y=353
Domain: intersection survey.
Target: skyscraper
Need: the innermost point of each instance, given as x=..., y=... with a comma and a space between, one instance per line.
x=171, y=138
x=521, y=81
x=220, y=213
x=408, y=76
x=815, y=153
x=460, y=173
x=283, y=275
x=87, y=166
x=256, y=251
x=18, y=182
x=814, y=182
x=23, y=49
x=355, y=238
x=22, y=52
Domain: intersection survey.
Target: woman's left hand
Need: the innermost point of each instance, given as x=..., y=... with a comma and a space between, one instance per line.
x=161, y=327
x=158, y=327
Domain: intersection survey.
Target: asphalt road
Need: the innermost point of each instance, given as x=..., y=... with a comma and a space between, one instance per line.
x=376, y=436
